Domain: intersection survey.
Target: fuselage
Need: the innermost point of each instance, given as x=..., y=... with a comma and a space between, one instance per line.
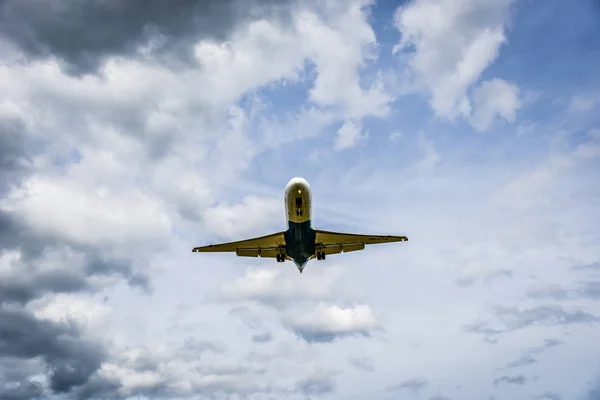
x=299, y=236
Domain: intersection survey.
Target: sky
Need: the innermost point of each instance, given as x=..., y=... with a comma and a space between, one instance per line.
x=131, y=132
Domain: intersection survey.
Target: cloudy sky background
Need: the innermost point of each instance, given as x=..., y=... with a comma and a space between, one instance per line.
x=131, y=132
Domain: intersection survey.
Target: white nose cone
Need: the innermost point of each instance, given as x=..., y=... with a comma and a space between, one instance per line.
x=297, y=181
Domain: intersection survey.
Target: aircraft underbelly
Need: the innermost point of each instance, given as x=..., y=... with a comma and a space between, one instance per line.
x=300, y=242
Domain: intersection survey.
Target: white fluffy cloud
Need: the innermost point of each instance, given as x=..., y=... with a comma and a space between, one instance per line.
x=249, y=217
x=281, y=287
x=89, y=215
x=448, y=44
x=349, y=135
x=494, y=98
x=325, y=322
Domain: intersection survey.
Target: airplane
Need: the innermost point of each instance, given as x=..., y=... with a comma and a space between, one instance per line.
x=300, y=242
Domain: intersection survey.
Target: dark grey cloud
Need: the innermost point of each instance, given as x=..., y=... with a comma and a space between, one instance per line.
x=70, y=360
x=30, y=346
x=99, y=265
x=264, y=337
x=22, y=391
x=29, y=282
x=18, y=235
x=508, y=319
x=13, y=155
x=513, y=380
x=15, y=382
x=315, y=386
x=415, y=384
x=98, y=388
x=527, y=358
x=83, y=33
x=15, y=162
x=362, y=363
x=22, y=288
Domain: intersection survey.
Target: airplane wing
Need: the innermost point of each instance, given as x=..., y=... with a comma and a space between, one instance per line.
x=263, y=246
x=337, y=242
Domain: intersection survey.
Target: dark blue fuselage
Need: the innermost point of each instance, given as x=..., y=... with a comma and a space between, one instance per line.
x=300, y=242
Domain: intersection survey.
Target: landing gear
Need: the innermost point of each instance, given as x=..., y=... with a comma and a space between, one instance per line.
x=280, y=258
x=320, y=255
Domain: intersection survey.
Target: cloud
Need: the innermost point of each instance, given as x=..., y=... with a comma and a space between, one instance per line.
x=178, y=371
x=513, y=380
x=128, y=145
x=13, y=155
x=362, y=363
x=581, y=103
x=349, y=135
x=447, y=45
x=527, y=358
x=594, y=392
x=431, y=158
x=104, y=172
x=262, y=337
x=16, y=375
x=509, y=319
x=586, y=289
x=26, y=277
x=85, y=216
x=69, y=359
x=590, y=289
x=526, y=190
x=553, y=291
x=326, y=323
x=413, y=384
x=491, y=98
x=396, y=136
x=593, y=267
x=471, y=272
x=277, y=288
x=115, y=29
x=243, y=219
x=549, y=396
x=439, y=397
x=316, y=386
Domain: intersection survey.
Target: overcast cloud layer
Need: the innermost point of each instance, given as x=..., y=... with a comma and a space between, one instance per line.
x=131, y=132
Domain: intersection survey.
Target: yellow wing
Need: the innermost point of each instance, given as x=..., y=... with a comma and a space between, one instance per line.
x=263, y=246
x=337, y=242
